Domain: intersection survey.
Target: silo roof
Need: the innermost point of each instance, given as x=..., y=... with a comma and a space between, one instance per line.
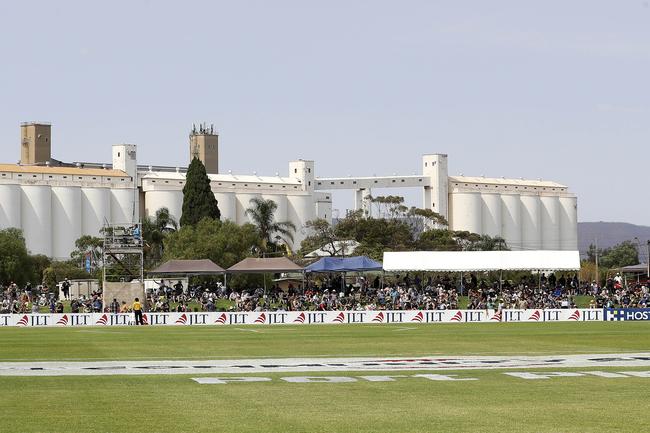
x=43, y=169
x=506, y=181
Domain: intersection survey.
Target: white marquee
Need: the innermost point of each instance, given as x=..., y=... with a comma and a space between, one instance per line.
x=466, y=261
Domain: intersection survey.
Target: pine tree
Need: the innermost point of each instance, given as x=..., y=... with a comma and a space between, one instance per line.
x=198, y=200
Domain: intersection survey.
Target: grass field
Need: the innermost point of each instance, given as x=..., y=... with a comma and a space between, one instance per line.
x=174, y=403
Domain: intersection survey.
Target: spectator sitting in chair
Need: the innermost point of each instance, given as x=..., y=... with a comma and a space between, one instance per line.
x=124, y=308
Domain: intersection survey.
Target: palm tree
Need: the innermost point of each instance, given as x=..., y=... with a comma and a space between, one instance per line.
x=154, y=231
x=262, y=213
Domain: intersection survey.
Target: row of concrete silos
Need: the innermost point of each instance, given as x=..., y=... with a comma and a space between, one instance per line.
x=54, y=217
x=526, y=222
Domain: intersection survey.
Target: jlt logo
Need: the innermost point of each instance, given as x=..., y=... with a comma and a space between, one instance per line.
x=79, y=319
x=474, y=316
x=119, y=319
x=315, y=317
x=356, y=317
x=38, y=320
x=511, y=316
x=156, y=319
x=592, y=315
x=277, y=318
x=433, y=316
x=197, y=319
x=394, y=317
x=237, y=318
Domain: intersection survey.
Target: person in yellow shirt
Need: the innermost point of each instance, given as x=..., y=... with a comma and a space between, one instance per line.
x=137, y=309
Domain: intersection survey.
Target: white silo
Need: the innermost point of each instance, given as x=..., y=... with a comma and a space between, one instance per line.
x=550, y=220
x=123, y=207
x=66, y=220
x=531, y=229
x=568, y=223
x=466, y=211
x=36, y=214
x=491, y=214
x=10, y=206
x=243, y=203
x=172, y=200
x=95, y=206
x=300, y=209
x=511, y=220
x=227, y=205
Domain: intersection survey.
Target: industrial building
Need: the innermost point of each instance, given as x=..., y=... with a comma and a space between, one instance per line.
x=55, y=203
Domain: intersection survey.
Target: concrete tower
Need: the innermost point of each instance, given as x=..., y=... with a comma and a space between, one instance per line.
x=436, y=196
x=303, y=171
x=204, y=144
x=362, y=201
x=125, y=203
x=125, y=159
x=36, y=143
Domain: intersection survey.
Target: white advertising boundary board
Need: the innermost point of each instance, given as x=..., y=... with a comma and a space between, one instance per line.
x=304, y=317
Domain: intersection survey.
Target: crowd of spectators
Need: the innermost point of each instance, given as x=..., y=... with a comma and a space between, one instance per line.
x=29, y=299
x=615, y=293
x=329, y=293
x=435, y=293
x=361, y=295
x=402, y=293
x=528, y=292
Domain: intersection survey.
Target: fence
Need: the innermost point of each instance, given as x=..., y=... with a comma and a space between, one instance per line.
x=411, y=317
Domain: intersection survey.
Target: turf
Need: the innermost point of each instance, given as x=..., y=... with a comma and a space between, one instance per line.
x=494, y=403
x=212, y=342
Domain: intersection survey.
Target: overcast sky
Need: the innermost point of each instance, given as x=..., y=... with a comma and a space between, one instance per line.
x=539, y=89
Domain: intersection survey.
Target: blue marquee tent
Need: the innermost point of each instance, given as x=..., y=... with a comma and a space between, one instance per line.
x=344, y=264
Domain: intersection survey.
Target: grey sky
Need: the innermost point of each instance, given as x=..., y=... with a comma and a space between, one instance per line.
x=550, y=89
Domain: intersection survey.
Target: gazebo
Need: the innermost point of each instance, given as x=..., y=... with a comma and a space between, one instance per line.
x=266, y=265
x=344, y=264
x=642, y=269
x=188, y=268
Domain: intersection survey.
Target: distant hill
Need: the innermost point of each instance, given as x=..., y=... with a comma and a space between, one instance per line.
x=610, y=234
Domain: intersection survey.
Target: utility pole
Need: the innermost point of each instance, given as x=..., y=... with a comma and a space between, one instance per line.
x=647, y=256
x=597, y=273
x=648, y=259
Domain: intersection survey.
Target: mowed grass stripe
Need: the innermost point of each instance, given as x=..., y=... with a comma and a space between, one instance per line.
x=124, y=343
x=494, y=403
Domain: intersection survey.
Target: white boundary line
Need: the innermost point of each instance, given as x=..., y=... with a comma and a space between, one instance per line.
x=282, y=365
